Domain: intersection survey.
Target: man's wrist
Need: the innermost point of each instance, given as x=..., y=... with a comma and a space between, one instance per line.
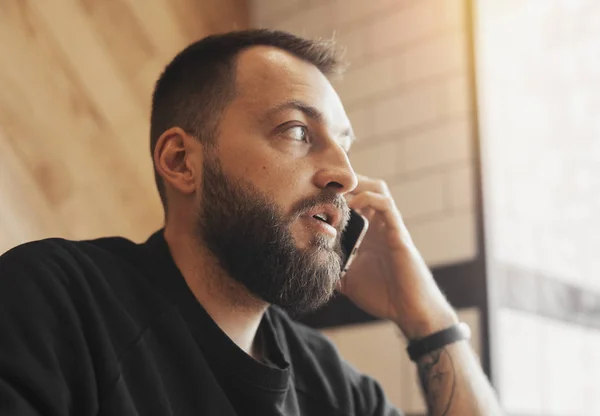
x=421, y=307
x=422, y=325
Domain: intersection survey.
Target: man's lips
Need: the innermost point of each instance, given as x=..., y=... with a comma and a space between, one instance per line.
x=329, y=214
x=321, y=226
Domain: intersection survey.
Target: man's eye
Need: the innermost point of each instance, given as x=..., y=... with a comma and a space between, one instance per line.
x=298, y=133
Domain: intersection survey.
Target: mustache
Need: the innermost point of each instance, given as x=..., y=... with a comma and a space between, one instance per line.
x=327, y=197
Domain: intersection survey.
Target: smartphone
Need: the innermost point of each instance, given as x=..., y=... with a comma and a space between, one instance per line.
x=352, y=237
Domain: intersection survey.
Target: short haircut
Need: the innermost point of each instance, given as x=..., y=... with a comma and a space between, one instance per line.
x=199, y=83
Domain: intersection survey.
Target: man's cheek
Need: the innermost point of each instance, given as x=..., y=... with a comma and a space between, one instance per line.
x=300, y=234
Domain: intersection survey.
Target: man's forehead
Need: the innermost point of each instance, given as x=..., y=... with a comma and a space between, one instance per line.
x=267, y=76
x=267, y=64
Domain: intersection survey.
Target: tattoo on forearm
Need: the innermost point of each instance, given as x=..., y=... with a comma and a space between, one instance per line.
x=438, y=380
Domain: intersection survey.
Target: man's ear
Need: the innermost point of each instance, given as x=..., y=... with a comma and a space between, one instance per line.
x=178, y=158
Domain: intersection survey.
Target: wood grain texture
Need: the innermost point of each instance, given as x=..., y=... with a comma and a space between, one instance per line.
x=76, y=78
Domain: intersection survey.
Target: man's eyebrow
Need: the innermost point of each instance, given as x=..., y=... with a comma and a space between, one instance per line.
x=299, y=105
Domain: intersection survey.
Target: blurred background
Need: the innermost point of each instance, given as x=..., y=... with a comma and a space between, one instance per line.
x=482, y=115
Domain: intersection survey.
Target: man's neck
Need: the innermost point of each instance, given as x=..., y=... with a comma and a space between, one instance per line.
x=237, y=312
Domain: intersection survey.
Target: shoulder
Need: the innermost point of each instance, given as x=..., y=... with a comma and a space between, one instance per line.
x=60, y=251
x=78, y=292
x=32, y=253
x=78, y=273
x=52, y=334
x=56, y=261
x=37, y=296
x=39, y=263
x=108, y=269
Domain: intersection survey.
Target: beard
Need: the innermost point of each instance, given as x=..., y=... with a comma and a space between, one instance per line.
x=251, y=239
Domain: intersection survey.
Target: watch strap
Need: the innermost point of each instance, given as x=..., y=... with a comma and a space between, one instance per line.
x=421, y=347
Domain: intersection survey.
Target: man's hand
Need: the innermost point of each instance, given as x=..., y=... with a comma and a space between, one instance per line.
x=389, y=278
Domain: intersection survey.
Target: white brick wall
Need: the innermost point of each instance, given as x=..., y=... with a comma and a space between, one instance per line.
x=401, y=27
x=412, y=108
x=439, y=144
x=461, y=187
x=455, y=96
x=421, y=196
x=381, y=161
x=444, y=239
x=367, y=80
x=441, y=55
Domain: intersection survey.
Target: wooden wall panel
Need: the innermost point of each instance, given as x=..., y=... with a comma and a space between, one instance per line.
x=76, y=78
x=23, y=215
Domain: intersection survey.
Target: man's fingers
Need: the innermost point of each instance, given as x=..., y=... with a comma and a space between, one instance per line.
x=373, y=196
x=380, y=203
x=367, y=212
x=373, y=185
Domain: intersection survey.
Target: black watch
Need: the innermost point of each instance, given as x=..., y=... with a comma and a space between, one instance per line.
x=421, y=347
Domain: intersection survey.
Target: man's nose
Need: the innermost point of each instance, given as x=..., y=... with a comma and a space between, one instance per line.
x=335, y=171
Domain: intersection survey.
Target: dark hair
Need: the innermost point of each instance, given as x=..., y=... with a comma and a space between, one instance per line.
x=199, y=82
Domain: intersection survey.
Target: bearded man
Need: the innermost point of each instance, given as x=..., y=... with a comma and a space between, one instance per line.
x=249, y=141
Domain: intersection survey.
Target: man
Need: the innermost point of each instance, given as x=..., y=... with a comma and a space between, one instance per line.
x=249, y=142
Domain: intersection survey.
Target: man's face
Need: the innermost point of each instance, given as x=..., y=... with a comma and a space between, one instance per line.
x=271, y=204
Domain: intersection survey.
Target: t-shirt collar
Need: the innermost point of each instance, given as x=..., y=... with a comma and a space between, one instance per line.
x=272, y=375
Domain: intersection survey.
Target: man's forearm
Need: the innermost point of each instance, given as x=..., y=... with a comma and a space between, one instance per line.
x=454, y=384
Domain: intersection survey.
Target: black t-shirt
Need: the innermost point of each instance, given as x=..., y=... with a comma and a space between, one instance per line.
x=109, y=327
